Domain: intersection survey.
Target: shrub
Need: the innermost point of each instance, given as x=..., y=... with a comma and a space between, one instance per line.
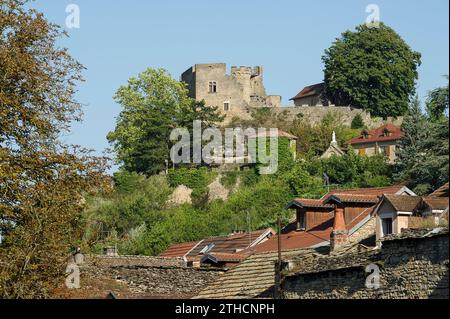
x=358, y=122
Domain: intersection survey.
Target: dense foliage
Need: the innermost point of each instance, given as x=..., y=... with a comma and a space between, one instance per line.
x=153, y=105
x=315, y=139
x=423, y=156
x=42, y=181
x=373, y=69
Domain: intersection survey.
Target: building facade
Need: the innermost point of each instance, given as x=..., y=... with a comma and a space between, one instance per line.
x=383, y=140
x=234, y=94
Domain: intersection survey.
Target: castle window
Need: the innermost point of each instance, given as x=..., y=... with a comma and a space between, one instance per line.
x=226, y=106
x=212, y=87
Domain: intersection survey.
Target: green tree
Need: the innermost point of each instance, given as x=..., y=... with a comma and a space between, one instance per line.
x=373, y=69
x=153, y=104
x=423, y=155
x=357, y=122
x=43, y=183
x=437, y=102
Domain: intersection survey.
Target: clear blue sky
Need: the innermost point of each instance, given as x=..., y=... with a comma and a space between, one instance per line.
x=119, y=39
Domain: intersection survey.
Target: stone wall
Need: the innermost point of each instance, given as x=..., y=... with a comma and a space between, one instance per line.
x=135, y=261
x=315, y=114
x=413, y=265
x=152, y=277
x=241, y=89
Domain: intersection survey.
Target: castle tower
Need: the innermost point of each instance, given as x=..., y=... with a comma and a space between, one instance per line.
x=243, y=76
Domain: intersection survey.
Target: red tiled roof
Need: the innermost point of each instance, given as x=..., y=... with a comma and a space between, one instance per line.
x=310, y=203
x=229, y=244
x=360, y=218
x=353, y=198
x=403, y=203
x=374, y=191
x=315, y=89
x=436, y=203
x=221, y=244
x=378, y=135
x=179, y=250
x=295, y=240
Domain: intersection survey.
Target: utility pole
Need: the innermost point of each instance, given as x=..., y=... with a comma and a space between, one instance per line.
x=279, y=267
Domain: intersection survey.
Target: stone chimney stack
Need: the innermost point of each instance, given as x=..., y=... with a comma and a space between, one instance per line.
x=339, y=236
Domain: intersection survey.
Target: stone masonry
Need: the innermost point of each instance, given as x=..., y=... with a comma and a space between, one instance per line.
x=413, y=265
x=154, y=277
x=234, y=94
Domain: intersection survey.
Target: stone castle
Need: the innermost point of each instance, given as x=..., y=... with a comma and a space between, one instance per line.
x=235, y=93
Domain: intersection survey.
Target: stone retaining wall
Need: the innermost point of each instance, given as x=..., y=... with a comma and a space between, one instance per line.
x=411, y=266
x=152, y=277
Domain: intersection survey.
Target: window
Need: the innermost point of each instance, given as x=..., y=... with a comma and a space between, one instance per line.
x=207, y=249
x=385, y=150
x=362, y=152
x=212, y=87
x=301, y=220
x=387, y=226
x=226, y=106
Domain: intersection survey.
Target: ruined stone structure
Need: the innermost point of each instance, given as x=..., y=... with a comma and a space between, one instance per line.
x=412, y=265
x=234, y=94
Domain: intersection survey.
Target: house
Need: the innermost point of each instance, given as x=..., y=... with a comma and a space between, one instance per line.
x=341, y=221
x=383, y=140
x=339, y=216
x=311, y=95
x=333, y=149
x=219, y=251
x=396, y=213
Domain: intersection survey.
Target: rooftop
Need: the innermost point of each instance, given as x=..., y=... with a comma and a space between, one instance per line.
x=387, y=132
x=215, y=246
x=403, y=203
x=315, y=89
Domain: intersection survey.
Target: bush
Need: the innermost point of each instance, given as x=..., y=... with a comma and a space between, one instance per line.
x=358, y=122
x=194, y=178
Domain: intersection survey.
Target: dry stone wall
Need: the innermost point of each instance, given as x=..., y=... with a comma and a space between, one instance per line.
x=152, y=276
x=410, y=266
x=315, y=114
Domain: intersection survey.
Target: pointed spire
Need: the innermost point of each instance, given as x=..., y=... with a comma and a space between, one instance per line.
x=334, y=140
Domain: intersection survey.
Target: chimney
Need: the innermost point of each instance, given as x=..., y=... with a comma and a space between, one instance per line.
x=339, y=236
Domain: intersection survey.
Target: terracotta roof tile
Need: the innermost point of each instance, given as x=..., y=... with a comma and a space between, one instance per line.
x=378, y=135
x=353, y=198
x=179, y=250
x=296, y=240
x=378, y=191
x=436, y=203
x=403, y=203
x=309, y=203
x=315, y=89
x=230, y=244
